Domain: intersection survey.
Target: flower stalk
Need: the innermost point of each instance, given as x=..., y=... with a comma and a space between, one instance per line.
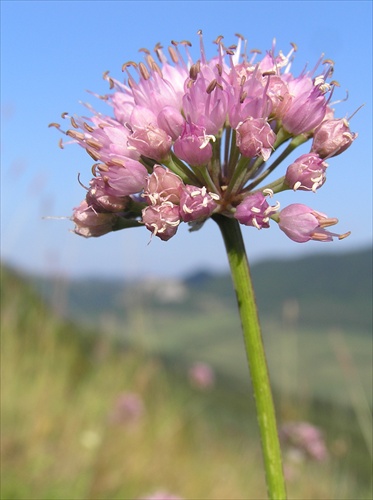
x=240, y=272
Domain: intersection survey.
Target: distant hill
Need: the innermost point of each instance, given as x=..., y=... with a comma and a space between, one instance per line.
x=331, y=290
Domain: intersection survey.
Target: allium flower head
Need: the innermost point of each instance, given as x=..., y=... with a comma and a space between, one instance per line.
x=192, y=138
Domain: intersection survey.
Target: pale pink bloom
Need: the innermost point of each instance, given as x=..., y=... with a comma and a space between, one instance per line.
x=151, y=142
x=202, y=375
x=123, y=180
x=279, y=94
x=171, y=121
x=332, y=137
x=162, y=220
x=255, y=138
x=196, y=203
x=163, y=185
x=89, y=223
x=255, y=211
x=307, y=173
x=98, y=198
x=206, y=104
x=307, y=108
x=301, y=223
x=193, y=146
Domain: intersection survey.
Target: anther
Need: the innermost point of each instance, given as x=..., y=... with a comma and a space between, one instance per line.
x=88, y=127
x=93, y=154
x=94, y=144
x=173, y=55
x=343, y=236
x=53, y=124
x=73, y=122
x=211, y=86
x=144, y=71
x=75, y=135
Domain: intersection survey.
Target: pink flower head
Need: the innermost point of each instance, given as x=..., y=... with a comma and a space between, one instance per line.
x=162, y=220
x=90, y=223
x=163, y=185
x=255, y=138
x=196, y=203
x=301, y=223
x=193, y=139
x=332, y=137
x=307, y=173
x=193, y=145
x=255, y=211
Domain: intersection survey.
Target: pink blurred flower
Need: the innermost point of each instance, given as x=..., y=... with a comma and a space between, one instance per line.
x=128, y=408
x=304, y=438
x=161, y=495
x=202, y=376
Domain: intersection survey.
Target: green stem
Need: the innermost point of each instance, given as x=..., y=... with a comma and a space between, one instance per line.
x=240, y=271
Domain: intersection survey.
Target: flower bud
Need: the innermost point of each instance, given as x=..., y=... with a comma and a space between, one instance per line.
x=162, y=220
x=332, y=137
x=196, y=203
x=301, y=223
x=255, y=138
x=307, y=173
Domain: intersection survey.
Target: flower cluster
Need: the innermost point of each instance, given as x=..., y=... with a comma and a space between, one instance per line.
x=188, y=140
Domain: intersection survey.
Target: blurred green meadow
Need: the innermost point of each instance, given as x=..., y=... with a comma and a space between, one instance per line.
x=62, y=436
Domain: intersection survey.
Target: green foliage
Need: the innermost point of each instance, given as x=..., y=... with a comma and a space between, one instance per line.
x=60, y=382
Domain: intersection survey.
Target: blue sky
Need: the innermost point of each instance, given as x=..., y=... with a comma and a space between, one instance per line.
x=52, y=52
